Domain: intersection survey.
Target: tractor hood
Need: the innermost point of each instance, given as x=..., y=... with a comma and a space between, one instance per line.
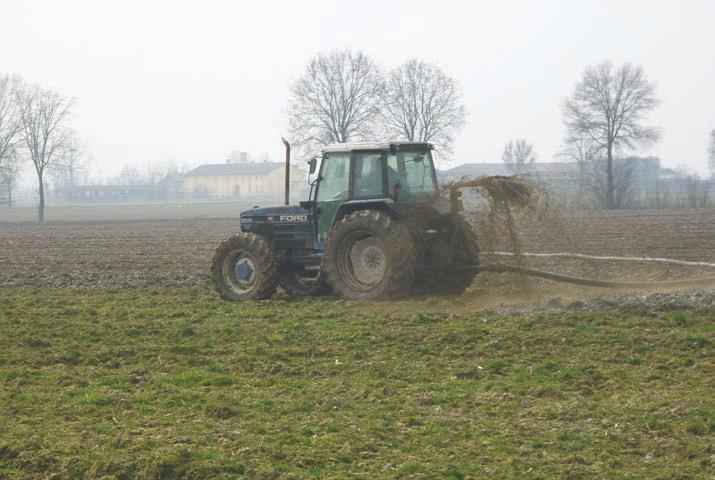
x=280, y=213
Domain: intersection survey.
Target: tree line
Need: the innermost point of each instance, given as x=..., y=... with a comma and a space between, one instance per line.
x=34, y=128
x=344, y=96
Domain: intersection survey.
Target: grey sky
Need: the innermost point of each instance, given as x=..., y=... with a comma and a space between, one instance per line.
x=194, y=80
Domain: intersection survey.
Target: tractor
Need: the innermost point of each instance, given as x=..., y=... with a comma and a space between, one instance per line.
x=376, y=225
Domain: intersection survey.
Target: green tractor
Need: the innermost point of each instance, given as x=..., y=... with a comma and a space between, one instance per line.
x=375, y=226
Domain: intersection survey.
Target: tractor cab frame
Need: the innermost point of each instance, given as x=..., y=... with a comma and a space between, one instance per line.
x=390, y=177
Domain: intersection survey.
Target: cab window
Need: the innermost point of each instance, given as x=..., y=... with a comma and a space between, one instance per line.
x=368, y=175
x=334, y=177
x=409, y=176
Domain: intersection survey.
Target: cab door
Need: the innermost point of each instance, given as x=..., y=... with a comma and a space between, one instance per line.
x=333, y=190
x=368, y=175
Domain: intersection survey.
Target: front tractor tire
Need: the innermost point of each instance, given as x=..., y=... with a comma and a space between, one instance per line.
x=245, y=268
x=369, y=255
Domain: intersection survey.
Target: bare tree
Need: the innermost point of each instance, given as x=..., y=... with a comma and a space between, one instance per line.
x=10, y=173
x=158, y=171
x=131, y=176
x=623, y=181
x=73, y=164
x=335, y=101
x=711, y=154
x=518, y=155
x=43, y=115
x=421, y=103
x=582, y=152
x=155, y=172
x=693, y=187
x=10, y=126
x=608, y=107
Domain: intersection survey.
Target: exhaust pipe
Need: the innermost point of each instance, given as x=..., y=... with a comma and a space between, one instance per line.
x=287, y=189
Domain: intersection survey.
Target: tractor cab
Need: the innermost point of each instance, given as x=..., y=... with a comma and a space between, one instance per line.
x=386, y=176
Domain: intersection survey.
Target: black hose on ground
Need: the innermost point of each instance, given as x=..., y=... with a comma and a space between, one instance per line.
x=501, y=268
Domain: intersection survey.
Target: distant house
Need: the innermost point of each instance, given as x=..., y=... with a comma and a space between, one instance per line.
x=265, y=180
x=230, y=181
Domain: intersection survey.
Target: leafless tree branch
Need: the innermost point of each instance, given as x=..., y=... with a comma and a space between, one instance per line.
x=131, y=175
x=519, y=155
x=582, y=151
x=421, y=103
x=10, y=127
x=335, y=101
x=73, y=163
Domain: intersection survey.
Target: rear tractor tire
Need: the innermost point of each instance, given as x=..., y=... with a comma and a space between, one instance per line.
x=369, y=255
x=245, y=268
x=455, y=278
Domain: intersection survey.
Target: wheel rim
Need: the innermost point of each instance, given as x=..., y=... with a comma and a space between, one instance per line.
x=363, y=261
x=240, y=271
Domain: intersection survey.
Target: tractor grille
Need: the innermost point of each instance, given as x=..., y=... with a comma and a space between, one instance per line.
x=293, y=236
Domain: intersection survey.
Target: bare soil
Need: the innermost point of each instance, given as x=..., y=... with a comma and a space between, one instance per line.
x=123, y=254
x=125, y=211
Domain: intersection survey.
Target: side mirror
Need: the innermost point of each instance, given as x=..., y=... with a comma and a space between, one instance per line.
x=313, y=163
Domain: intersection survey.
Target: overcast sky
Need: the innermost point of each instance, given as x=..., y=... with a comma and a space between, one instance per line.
x=192, y=81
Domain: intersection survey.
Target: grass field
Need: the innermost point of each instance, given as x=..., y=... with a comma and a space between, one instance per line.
x=176, y=384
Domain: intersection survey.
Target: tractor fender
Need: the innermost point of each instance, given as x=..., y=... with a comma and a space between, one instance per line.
x=384, y=205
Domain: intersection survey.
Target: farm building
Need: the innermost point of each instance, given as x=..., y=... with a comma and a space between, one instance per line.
x=242, y=181
x=106, y=194
x=562, y=176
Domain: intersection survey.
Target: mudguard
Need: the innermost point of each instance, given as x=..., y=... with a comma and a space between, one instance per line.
x=384, y=205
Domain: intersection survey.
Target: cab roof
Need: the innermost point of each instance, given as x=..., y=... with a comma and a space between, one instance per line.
x=347, y=147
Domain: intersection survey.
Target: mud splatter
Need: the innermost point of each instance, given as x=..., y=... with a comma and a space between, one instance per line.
x=505, y=197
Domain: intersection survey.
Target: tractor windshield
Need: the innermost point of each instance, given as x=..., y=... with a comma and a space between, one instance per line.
x=410, y=176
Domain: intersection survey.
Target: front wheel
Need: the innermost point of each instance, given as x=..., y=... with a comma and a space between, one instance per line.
x=244, y=268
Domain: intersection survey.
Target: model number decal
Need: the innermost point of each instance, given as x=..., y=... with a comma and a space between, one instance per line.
x=293, y=218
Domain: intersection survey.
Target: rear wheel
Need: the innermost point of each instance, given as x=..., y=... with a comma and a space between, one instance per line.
x=244, y=268
x=458, y=275
x=369, y=255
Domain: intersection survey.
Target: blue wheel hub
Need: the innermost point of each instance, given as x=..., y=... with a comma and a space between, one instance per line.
x=243, y=269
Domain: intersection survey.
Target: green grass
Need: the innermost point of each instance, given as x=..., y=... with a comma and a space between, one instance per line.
x=176, y=384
